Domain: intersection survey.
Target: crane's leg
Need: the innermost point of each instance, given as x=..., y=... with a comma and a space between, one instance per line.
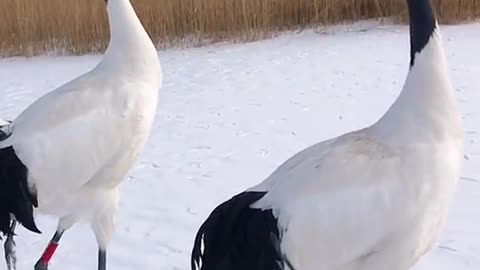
x=104, y=224
x=9, y=248
x=102, y=259
x=42, y=263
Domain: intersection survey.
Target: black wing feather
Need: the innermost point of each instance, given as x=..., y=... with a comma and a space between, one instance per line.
x=237, y=237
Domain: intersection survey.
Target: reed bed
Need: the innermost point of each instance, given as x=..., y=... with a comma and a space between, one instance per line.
x=31, y=27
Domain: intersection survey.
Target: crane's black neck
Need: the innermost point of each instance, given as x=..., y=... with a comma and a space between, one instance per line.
x=422, y=25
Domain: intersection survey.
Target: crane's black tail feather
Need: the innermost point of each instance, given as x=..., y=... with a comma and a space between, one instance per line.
x=238, y=237
x=15, y=196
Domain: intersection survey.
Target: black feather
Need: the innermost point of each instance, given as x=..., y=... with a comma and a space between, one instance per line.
x=237, y=237
x=422, y=25
x=15, y=196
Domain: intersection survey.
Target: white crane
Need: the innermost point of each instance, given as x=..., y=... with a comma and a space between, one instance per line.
x=372, y=199
x=68, y=152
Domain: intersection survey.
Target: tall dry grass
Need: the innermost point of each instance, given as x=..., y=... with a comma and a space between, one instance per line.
x=29, y=27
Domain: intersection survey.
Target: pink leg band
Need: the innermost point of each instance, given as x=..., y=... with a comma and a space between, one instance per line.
x=49, y=251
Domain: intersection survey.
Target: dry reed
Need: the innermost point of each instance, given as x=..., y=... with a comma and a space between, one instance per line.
x=30, y=27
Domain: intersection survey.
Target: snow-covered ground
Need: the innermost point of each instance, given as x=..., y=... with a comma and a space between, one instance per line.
x=230, y=114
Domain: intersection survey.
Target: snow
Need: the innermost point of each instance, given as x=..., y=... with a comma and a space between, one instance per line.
x=230, y=114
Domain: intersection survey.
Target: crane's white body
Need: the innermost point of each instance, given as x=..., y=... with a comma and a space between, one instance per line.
x=393, y=182
x=79, y=140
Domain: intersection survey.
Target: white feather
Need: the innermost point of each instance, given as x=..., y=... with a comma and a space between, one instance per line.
x=3, y=122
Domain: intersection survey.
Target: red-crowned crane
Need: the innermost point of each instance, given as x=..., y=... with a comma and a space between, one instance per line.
x=372, y=199
x=68, y=152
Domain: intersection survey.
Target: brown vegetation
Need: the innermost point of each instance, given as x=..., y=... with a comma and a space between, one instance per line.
x=29, y=27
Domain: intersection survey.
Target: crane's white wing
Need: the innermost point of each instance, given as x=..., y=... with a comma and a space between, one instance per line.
x=341, y=203
x=69, y=135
